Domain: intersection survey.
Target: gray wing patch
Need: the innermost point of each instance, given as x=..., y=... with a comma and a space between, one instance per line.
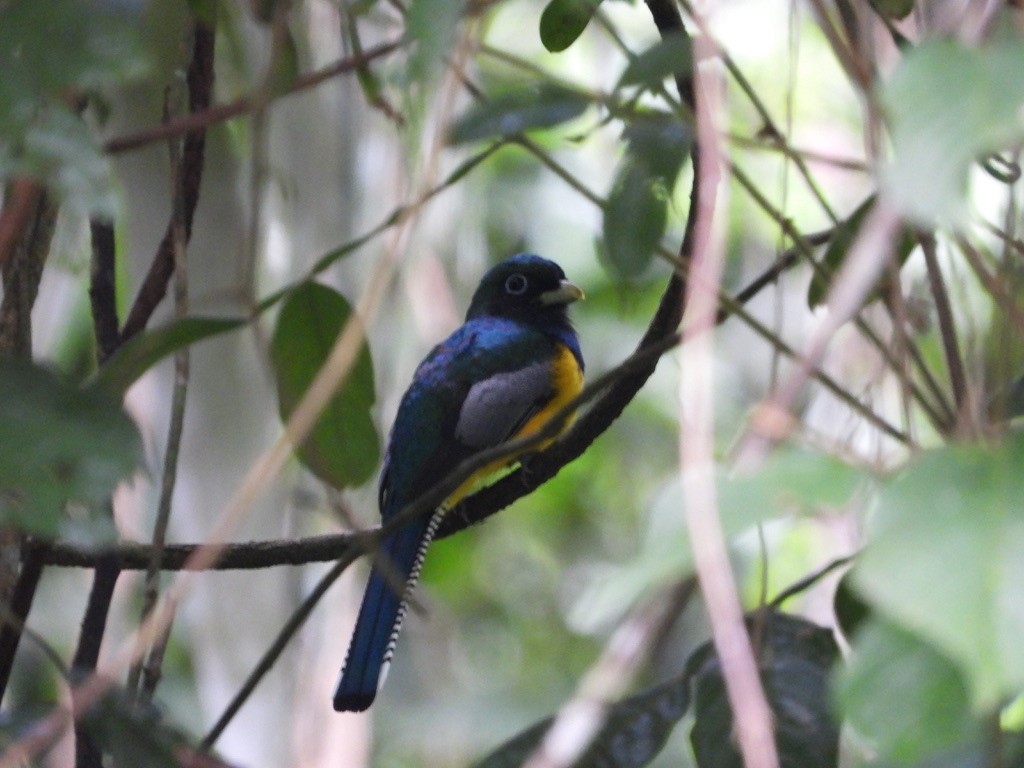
x=498, y=406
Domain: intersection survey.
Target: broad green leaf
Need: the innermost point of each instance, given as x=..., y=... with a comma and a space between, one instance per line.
x=59, y=445
x=791, y=481
x=839, y=245
x=564, y=20
x=902, y=695
x=947, y=105
x=671, y=56
x=946, y=561
x=513, y=113
x=144, y=350
x=795, y=658
x=636, y=213
x=635, y=732
x=343, y=448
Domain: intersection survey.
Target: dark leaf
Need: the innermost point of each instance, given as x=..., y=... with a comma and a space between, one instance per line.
x=636, y=214
x=144, y=350
x=851, y=611
x=672, y=56
x=796, y=658
x=893, y=9
x=839, y=246
x=140, y=737
x=343, y=448
x=513, y=113
x=563, y=21
x=59, y=444
x=635, y=732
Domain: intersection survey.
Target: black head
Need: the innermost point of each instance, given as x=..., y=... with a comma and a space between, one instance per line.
x=525, y=287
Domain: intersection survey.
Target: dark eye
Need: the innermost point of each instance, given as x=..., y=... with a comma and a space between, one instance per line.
x=515, y=284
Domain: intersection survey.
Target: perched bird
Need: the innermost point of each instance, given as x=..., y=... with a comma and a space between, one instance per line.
x=513, y=363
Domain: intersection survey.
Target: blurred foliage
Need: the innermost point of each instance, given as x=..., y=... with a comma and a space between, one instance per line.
x=559, y=131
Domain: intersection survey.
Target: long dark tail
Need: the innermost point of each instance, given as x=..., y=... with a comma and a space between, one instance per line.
x=380, y=617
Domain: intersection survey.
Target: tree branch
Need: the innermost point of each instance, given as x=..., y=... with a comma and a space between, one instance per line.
x=200, y=89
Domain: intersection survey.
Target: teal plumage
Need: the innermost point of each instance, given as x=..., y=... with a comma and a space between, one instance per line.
x=514, y=362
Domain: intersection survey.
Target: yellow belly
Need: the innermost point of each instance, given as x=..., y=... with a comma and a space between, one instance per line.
x=567, y=379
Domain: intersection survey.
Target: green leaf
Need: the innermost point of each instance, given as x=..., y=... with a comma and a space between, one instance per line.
x=670, y=57
x=795, y=658
x=905, y=697
x=839, y=245
x=635, y=732
x=791, y=481
x=947, y=105
x=946, y=561
x=513, y=113
x=564, y=20
x=144, y=350
x=59, y=444
x=636, y=214
x=893, y=9
x=343, y=448
x=430, y=25
x=48, y=51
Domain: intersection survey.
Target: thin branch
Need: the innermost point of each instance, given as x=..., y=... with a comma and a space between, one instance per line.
x=947, y=332
x=24, y=593
x=87, y=753
x=150, y=669
x=200, y=90
x=102, y=289
x=200, y=120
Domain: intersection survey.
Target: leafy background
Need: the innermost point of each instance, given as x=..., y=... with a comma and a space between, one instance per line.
x=555, y=128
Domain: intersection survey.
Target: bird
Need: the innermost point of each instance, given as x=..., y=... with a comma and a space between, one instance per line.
x=514, y=362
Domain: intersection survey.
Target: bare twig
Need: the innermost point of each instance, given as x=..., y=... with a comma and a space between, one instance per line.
x=947, y=332
x=200, y=89
x=200, y=120
x=751, y=712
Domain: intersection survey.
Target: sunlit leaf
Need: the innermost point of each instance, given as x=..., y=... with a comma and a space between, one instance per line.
x=141, y=352
x=343, y=448
x=795, y=658
x=902, y=695
x=59, y=445
x=946, y=560
x=563, y=21
x=634, y=733
x=947, y=105
x=671, y=56
x=517, y=112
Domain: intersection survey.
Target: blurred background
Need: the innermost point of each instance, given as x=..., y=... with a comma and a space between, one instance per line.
x=517, y=609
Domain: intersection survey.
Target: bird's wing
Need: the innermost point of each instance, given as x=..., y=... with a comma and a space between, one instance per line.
x=497, y=407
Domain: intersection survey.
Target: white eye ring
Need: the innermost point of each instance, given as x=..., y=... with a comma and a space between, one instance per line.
x=516, y=284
